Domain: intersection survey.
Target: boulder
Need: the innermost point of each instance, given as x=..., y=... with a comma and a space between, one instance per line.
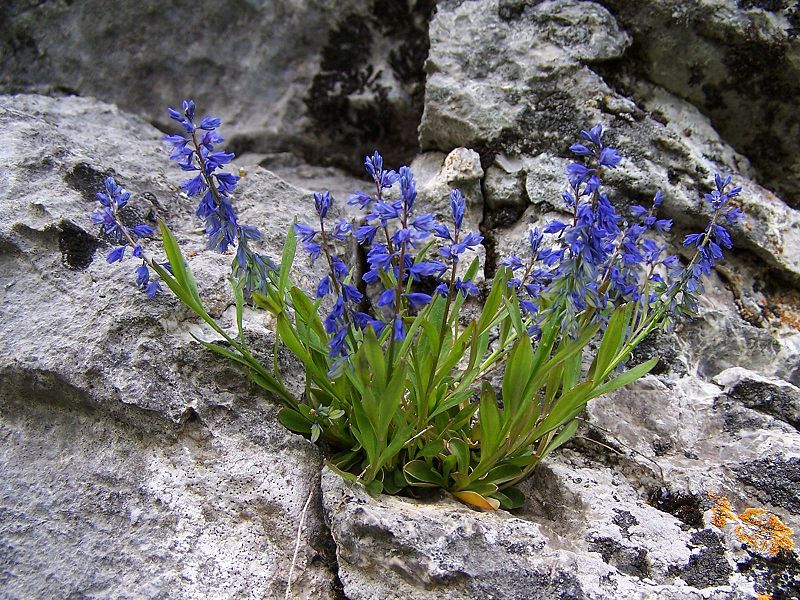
x=328, y=81
x=135, y=463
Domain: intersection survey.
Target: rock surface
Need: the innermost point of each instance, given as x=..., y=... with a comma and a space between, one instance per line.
x=736, y=60
x=328, y=81
x=137, y=465
x=134, y=464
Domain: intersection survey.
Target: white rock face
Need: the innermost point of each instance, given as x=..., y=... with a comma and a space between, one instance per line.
x=134, y=464
x=284, y=75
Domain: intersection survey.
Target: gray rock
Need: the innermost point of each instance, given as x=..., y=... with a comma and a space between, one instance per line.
x=771, y=396
x=540, y=78
x=777, y=478
x=572, y=546
x=329, y=81
x=737, y=62
x=135, y=463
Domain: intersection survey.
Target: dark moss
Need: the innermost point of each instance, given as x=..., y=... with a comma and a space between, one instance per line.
x=686, y=507
x=770, y=5
x=709, y=567
x=776, y=478
x=624, y=520
x=348, y=100
x=631, y=561
x=793, y=15
x=76, y=245
x=513, y=10
x=778, y=576
x=662, y=345
x=85, y=179
x=782, y=402
x=737, y=418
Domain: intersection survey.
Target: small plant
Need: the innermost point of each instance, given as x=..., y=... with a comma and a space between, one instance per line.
x=394, y=377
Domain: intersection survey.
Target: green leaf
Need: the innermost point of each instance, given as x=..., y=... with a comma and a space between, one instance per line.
x=294, y=421
x=489, y=419
x=562, y=438
x=420, y=473
x=178, y=289
x=267, y=302
x=287, y=258
x=238, y=295
x=510, y=498
x=515, y=313
x=178, y=263
x=374, y=487
x=627, y=377
x=518, y=371
x=289, y=338
x=460, y=450
x=612, y=340
x=502, y=474
x=493, y=301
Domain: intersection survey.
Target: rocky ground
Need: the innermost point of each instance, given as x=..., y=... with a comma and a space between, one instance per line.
x=134, y=464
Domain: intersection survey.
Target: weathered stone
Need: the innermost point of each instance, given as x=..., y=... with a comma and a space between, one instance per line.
x=566, y=543
x=529, y=92
x=135, y=463
x=737, y=61
x=771, y=396
x=777, y=478
x=437, y=175
x=329, y=81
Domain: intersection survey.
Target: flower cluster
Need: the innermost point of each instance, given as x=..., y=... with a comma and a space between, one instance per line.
x=112, y=200
x=601, y=258
x=391, y=368
x=395, y=236
x=710, y=242
x=196, y=152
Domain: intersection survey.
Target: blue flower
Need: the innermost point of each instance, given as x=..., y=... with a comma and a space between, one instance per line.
x=580, y=150
x=427, y=269
x=399, y=329
x=322, y=202
x=360, y=198
x=351, y=294
x=196, y=152
x=152, y=289
x=458, y=206
x=324, y=287
x=418, y=299
x=577, y=174
x=609, y=157
x=374, y=166
x=142, y=275
x=466, y=287
x=594, y=135
x=117, y=254
x=304, y=232
x=386, y=297
x=408, y=188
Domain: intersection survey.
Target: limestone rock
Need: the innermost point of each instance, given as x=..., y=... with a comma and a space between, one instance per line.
x=528, y=92
x=329, y=81
x=135, y=463
x=771, y=396
x=584, y=534
x=738, y=62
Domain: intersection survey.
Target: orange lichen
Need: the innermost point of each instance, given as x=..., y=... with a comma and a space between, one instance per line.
x=721, y=512
x=783, y=308
x=759, y=529
x=764, y=597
